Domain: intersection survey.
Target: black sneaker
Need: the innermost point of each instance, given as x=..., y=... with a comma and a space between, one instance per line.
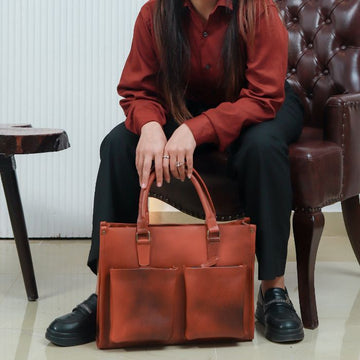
x=276, y=312
x=77, y=327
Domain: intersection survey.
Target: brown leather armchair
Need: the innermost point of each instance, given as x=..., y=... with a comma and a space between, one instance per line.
x=324, y=69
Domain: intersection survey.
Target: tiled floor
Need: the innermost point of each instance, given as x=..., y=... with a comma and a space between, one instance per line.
x=64, y=281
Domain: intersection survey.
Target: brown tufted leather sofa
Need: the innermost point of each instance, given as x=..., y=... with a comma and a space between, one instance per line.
x=324, y=69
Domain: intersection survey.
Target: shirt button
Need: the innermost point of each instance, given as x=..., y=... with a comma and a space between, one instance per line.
x=207, y=67
x=205, y=34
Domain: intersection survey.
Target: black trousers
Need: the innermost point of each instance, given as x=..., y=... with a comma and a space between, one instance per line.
x=258, y=159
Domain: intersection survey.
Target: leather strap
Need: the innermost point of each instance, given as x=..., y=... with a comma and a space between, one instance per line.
x=143, y=237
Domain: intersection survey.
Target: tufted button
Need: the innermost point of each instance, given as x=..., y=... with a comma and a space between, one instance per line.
x=310, y=95
x=326, y=72
x=293, y=70
x=343, y=47
x=310, y=45
x=328, y=21
x=205, y=34
x=295, y=19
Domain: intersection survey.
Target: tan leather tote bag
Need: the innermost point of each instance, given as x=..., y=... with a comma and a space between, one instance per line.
x=173, y=284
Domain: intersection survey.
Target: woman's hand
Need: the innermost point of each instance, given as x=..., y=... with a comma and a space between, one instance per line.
x=180, y=150
x=150, y=147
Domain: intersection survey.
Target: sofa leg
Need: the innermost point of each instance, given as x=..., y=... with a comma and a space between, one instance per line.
x=351, y=214
x=308, y=227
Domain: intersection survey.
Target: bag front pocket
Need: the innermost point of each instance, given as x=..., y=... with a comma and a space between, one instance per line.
x=141, y=304
x=215, y=302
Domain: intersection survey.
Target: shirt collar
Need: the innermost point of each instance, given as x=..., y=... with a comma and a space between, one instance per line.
x=225, y=3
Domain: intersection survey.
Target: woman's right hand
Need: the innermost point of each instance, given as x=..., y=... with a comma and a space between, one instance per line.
x=150, y=147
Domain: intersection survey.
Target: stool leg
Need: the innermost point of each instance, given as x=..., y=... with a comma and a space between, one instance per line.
x=11, y=190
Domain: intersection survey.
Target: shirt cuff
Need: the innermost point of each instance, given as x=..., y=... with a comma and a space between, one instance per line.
x=202, y=129
x=135, y=126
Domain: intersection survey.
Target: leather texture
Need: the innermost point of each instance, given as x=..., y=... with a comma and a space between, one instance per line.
x=276, y=312
x=168, y=284
x=322, y=158
x=343, y=128
x=324, y=70
x=77, y=327
x=324, y=49
x=223, y=189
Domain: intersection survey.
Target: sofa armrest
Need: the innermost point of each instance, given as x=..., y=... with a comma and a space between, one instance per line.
x=342, y=126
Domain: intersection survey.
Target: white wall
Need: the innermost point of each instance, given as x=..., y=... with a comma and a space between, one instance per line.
x=60, y=62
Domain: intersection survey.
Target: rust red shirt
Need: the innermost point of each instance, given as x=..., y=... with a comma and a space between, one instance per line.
x=265, y=74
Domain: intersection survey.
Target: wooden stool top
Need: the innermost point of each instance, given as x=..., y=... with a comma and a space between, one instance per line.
x=24, y=139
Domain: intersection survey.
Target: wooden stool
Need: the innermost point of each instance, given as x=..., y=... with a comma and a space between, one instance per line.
x=23, y=139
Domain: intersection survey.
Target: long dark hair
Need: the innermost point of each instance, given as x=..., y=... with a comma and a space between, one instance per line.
x=174, y=50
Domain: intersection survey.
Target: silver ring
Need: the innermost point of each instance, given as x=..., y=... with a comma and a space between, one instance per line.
x=179, y=163
x=166, y=157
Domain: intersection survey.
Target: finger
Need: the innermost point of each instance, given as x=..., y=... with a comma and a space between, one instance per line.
x=189, y=164
x=158, y=170
x=166, y=170
x=146, y=171
x=181, y=167
x=139, y=166
x=137, y=161
x=173, y=168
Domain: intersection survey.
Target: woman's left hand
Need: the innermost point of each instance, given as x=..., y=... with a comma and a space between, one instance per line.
x=180, y=150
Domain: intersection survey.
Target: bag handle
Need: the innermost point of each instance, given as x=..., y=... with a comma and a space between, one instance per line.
x=142, y=229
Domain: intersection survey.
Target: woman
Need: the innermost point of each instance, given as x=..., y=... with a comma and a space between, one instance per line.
x=200, y=72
